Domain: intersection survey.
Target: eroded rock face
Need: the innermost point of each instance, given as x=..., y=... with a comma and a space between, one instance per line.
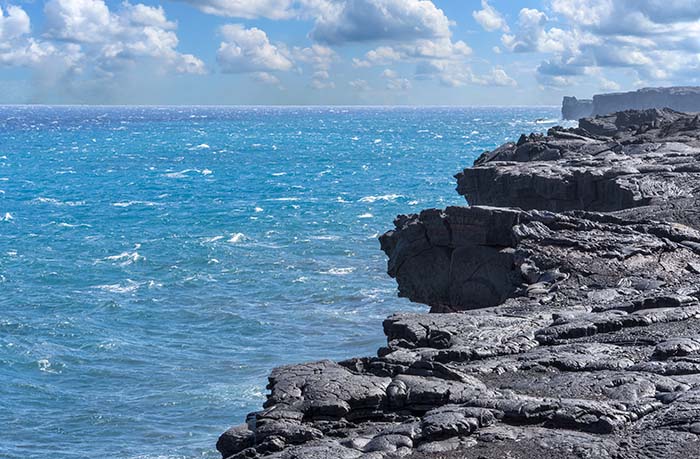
x=630, y=159
x=563, y=335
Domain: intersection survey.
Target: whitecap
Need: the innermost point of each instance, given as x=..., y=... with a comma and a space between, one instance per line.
x=129, y=287
x=45, y=366
x=7, y=217
x=286, y=199
x=326, y=238
x=181, y=174
x=377, y=141
x=69, y=225
x=237, y=238
x=203, y=146
x=278, y=174
x=207, y=172
x=134, y=203
x=126, y=258
x=386, y=197
x=209, y=240
x=365, y=216
x=56, y=202
x=339, y=271
x=259, y=209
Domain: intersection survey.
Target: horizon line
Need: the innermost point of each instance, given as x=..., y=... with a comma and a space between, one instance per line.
x=282, y=105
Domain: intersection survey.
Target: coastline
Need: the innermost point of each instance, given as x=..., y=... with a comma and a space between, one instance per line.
x=570, y=333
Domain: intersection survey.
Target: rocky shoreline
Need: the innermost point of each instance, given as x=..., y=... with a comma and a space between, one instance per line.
x=566, y=319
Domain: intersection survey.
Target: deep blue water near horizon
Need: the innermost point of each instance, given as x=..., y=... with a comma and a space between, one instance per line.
x=157, y=262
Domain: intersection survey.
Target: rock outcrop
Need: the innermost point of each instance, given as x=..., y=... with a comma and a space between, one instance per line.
x=564, y=331
x=684, y=99
x=625, y=160
x=575, y=109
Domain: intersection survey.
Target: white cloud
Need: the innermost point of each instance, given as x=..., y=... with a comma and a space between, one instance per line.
x=382, y=55
x=394, y=82
x=249, y=50
x=113, y=41
x=489, y=18
x=13, y=24
x=376, y=20
x=319, y=58
x=267, y=78
x=359, y=85
x=247, y=9
x=658, y=40
x=270, y=9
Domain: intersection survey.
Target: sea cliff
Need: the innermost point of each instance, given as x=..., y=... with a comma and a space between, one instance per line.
x=685, y=99
x=566, y=314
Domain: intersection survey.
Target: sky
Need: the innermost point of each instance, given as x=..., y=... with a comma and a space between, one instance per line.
x=344, y=52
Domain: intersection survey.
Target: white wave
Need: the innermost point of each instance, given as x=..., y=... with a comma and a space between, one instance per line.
x=547, y=121
x=45, y=366
x=288, y=199
x=259, y=209
x=129, y=287
x=237, y=238
x=206, y=172
x=278, y=174
x=69, y=225
x=413, y=203
x=203, y=146
x=181, y=174
x=134, y=203
x=126, y=258
x=7, y=217
x=339, y=271
x=209, y=240
x=365, y=216
x=386, y=197
x=377, y=141
x=326, y=238
x=56, y=202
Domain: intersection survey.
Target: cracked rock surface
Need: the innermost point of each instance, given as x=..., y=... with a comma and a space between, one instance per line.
x=566, y=315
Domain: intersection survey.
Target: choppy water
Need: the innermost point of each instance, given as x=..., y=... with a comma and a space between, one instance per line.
x=156, y=263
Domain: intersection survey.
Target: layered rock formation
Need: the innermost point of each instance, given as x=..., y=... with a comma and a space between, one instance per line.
x=563, y=335
x=575, y=109
x=684, y=99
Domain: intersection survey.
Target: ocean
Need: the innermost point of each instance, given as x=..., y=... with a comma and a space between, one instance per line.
x=157, y=262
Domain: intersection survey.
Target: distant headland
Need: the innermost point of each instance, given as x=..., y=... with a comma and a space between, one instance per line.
x=681, y=98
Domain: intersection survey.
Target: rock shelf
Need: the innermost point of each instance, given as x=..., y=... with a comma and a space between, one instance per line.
x=566, y=314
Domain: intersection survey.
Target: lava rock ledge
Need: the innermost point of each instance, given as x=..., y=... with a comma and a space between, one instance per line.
x=569, y=314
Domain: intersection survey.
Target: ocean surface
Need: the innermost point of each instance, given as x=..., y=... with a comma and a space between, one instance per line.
x=156, y=263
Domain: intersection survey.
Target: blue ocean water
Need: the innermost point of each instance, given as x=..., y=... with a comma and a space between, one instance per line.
x=156, y=263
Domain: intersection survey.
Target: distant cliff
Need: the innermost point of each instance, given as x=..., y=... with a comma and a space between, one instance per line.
x=684, y=99
x=574, y=109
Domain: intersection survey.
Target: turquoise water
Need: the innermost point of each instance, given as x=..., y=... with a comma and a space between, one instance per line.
x=156, y=263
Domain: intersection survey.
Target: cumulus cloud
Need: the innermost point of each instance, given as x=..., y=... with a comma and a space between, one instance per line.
x=17, y=48
x=489, y=18
x=247, y=9
x=249, y=50
x=376, y=20
x=359, y=85
x=111, y=41
x=394, y=82
x=658, y=40
x=319, y=58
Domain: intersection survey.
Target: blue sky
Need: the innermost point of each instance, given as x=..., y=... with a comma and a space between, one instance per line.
x=495, y=52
